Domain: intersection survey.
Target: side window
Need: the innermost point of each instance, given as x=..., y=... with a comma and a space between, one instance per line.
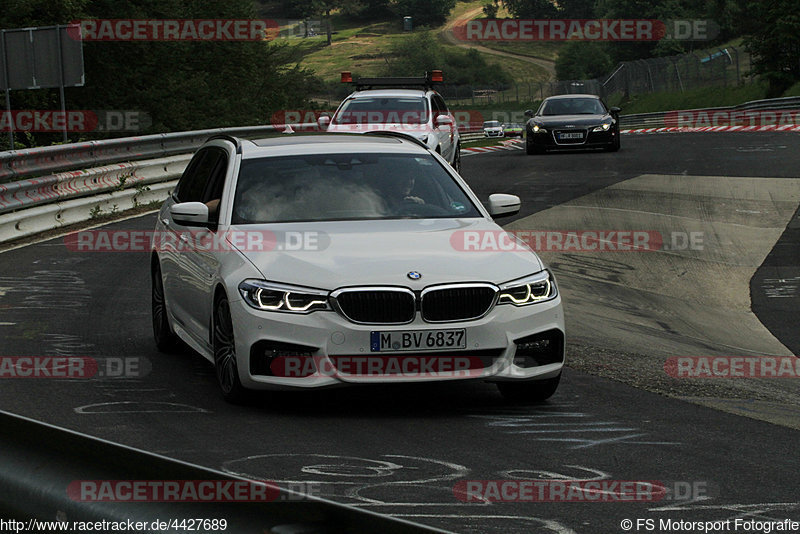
x=436, y=109
x=199, y=182
x=192, y=184
x=212, y=195
x=441, y=105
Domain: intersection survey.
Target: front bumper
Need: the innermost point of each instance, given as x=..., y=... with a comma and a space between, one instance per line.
x=327, y=339
x=548, y=139
x=492, y=133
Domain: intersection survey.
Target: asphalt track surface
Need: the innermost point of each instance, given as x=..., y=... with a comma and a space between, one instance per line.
x=402, y=450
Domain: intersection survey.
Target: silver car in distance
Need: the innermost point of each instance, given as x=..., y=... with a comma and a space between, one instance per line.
x=323, y=260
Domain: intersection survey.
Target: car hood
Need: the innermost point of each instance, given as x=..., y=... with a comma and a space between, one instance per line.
x=561, y=120
x=384, y=252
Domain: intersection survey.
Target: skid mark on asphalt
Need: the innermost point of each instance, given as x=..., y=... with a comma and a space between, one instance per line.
x=137, y=407
x=48, y=290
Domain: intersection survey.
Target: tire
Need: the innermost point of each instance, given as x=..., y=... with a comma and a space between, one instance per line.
x=165, y=338
x=532, y=148
x=225, y=365
x=457, y=159
x=529, y=390
x=614, y=147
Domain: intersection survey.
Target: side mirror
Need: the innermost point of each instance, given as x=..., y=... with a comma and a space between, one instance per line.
x=189, y=213
x=442, y=120
x=529, y=113
x=615, y=110
x=502, y=205
x=324, y=121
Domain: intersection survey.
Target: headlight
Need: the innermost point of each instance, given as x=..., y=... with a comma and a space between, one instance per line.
x=539, y=287
x=603, y=127
x=270, y=296
x=537, y=129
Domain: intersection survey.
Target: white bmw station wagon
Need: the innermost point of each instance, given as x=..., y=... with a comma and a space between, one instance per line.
x=322, y=260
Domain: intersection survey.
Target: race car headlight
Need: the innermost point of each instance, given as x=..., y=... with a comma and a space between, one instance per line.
x=270, y=296
x=603, y=127
x=537, y=129
x=539, y=287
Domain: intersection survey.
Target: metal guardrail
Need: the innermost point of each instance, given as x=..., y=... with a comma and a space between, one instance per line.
x=656, y=119
x=19, y=187
x=96, y=166
x=17, y=164
x=42, y=464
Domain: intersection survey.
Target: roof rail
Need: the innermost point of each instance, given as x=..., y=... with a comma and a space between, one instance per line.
x=227, y=137
x=428, y=81
x=400, y=135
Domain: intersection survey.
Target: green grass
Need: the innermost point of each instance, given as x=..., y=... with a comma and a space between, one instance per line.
x=364, y=48
x=706, y=97
x=793, y=90
x=541, y=50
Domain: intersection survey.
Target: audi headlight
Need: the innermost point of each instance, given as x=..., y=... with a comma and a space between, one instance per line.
x=539, y=287
x=603, y=127
x=270, y=296
x=537, y=129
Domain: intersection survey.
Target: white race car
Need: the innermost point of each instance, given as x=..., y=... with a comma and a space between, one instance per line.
x=323, y=260
x=408, y=105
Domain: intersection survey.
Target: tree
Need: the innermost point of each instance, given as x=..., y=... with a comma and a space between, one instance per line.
x=181, y=85
x=531, y=9
x=773, y=43
x=422, y=53
x=582, y=60
x=424, y=12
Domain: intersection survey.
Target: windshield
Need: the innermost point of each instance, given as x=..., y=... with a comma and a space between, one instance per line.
x=331, y=187
x=369, y=110
x=572, y=106
x=491, y=124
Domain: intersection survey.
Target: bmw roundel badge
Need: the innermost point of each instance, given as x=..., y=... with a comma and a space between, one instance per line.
x=414, y=275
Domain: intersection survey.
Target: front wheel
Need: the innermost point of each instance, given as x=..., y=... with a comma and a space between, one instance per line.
x=166, y=340
x=529, y=390
x=225, y=364
x=457, y=159
x=614, y=144
x=532, y=148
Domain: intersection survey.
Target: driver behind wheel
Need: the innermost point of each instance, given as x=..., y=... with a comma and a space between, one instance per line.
x=397, y=190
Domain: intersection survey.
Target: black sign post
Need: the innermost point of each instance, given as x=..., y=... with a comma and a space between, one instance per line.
x=41, y=58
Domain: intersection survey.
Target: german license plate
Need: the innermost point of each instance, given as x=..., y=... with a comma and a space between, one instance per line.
x=571, y=135
x=401, y=340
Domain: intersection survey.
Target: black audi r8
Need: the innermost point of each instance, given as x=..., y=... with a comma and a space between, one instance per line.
x=569, y=122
